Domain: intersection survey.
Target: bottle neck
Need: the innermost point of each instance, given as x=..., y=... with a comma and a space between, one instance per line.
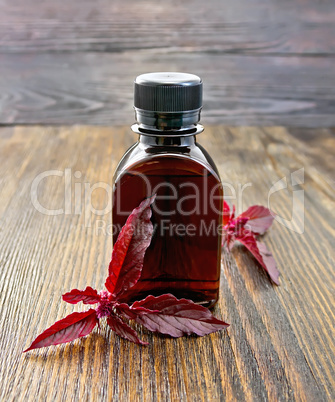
x=160, y=141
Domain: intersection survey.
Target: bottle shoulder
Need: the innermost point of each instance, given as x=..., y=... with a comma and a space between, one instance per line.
x=145, y=159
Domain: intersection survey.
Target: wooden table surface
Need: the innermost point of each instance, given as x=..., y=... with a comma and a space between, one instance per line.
x=280, y=344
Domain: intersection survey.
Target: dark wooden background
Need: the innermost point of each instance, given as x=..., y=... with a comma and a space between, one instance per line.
x=264, y=62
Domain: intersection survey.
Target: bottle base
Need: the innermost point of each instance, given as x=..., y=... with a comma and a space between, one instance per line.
x=207, y=297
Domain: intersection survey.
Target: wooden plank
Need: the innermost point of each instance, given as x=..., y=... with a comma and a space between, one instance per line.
x=96, y=88
x=280, y=345
x=265, y=63
x=247, y=27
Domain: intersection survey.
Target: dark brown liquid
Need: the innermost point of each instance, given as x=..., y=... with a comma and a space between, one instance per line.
x=184, y=255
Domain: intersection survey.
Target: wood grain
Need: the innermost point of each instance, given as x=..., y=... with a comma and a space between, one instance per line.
x=280, y=345
x=247, y=27
x=263, y=63
x=97, y=88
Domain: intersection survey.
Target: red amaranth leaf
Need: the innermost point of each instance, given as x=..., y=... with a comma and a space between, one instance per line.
x=269, y=262
x=164, y=314
x=226, y=213
x=259, y=218
x=87, y=296
x=124, y=310
x=176, y=317
x=256, y=220
x=128, y=253
x=68, y=329
x=262, y=255
x=238, y=225
x=124, y=330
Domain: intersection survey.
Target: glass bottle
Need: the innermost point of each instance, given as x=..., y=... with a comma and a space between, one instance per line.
x=184, y=255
